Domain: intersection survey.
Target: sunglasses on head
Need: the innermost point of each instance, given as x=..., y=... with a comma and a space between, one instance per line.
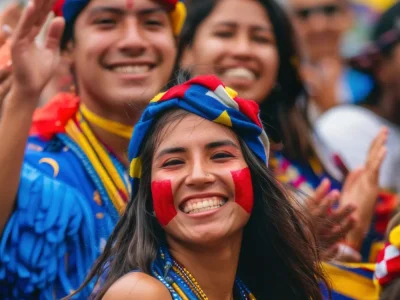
x=327, y=10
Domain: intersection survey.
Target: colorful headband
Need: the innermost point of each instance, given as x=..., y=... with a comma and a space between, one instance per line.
x=207, y=97
x=72, y=8
x=388, y=260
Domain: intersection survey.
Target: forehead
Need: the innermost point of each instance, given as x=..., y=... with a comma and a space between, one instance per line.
x=193, y=130
x=308, y=3
x=123, y=4
x=249, y=12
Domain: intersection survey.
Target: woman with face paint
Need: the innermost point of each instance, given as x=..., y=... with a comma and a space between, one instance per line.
x=64, y=169
x=207, y=220
x=250, y=45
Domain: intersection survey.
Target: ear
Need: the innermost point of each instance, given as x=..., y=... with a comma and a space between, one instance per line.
x=187, y=58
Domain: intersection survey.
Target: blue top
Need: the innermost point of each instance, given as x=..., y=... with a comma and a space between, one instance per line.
x=356, y=86
x=59, y=226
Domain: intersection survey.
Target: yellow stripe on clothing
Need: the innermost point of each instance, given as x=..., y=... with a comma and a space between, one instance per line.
x=116, y=128
x=351, y=284
x=79, y=138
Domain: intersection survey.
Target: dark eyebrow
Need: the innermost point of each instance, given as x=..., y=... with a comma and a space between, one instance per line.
x=218, y=144
x=109, y=9
x=226, y=23
x=171, y=151
x=120, y=11
x=209, y=146
x=253, y=27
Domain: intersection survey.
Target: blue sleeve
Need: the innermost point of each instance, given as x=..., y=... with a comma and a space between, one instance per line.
x=49, y=242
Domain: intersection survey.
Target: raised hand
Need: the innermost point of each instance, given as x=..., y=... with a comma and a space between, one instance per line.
x=5, y=82
x=322, y=81
x=331, y=225
x=9, y=19
x=361, y=188
x=33, y=65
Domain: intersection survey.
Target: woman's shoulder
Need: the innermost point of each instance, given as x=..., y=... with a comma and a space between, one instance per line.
x=137, y=285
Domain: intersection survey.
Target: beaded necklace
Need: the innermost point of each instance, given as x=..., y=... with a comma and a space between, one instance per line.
x=181, y=284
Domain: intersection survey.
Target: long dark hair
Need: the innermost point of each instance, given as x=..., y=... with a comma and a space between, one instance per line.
x=278, y=258
x=283, y=120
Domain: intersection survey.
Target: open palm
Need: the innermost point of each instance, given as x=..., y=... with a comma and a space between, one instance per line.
x=33, y=65
x=362, y=186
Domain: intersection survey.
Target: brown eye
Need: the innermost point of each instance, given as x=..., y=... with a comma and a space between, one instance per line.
x=172, y=162
x=222, y=155
x=223, y=34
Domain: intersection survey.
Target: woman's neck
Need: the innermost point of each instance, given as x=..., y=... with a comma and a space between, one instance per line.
x=214, y=268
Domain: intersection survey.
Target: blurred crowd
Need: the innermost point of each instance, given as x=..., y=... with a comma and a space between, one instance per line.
x=325, y=74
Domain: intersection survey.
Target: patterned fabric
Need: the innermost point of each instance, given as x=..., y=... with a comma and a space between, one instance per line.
x=305, y=177
x=388, y=262
x=63, y=214
x=350, y=281
x=70, y=9
x=207, y=97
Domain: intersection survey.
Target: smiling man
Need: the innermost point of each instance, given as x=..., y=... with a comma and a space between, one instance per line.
x=57, y=213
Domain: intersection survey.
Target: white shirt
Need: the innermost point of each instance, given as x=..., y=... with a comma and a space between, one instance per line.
x=349, y=130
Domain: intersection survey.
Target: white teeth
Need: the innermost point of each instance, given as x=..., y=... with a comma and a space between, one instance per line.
x=203, y=205
x=137, y=69
x=239, y=72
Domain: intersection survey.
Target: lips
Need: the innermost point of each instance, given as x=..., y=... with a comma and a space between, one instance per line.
x=196, y=205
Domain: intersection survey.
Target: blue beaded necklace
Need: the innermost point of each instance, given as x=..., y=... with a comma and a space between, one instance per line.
x=181, y=284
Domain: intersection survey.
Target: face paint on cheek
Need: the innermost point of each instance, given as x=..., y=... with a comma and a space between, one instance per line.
x=243, y=189
x=163, y=201
x=129, y=4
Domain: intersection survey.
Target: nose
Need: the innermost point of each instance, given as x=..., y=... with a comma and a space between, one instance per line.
x=133, y=41
x=318, y=22
x=241, y=48
x=199, y=175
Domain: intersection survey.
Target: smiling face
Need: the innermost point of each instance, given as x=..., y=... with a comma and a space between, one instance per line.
x=237, y=43
x=123, y=53
x=201, y=186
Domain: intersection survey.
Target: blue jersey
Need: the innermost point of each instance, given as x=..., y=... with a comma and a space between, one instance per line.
x=60, y=223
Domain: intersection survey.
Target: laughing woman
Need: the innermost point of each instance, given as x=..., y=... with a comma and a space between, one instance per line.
x=251, y=46
x=207, y=220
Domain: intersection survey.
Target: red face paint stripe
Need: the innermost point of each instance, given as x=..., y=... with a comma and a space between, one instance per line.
x=163, y=201
x=243, y=189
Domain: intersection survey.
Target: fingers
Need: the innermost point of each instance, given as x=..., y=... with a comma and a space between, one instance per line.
x=26, y=22
x=5, y=72
x=352, y=178
x=5, y=87
x=322, y=189
x=5, y=33
x=377, y=154
x=379, y=140
x=32, y=19
x=339, y=215
x=326, y=203
x=55, y=33
x=340, y=231
x=319, y=194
